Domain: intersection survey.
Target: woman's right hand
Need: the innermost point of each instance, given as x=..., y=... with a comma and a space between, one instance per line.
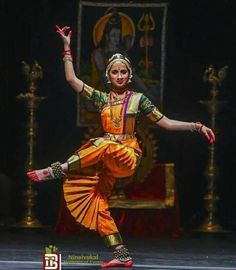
x=65, y=35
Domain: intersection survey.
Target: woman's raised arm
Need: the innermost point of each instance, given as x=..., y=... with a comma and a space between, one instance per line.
x=65, y=34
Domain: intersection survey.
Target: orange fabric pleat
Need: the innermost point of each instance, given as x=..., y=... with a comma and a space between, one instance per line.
x=86, y=194
x=82, y=201
x=86, y=199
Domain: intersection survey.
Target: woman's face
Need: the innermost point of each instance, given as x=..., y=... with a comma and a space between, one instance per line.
x=118, y=75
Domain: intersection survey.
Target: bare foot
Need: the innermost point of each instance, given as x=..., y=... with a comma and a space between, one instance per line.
x=40, y=175
x=117, y=263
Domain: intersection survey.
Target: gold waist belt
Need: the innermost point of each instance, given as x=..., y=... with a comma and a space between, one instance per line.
x=118, y=137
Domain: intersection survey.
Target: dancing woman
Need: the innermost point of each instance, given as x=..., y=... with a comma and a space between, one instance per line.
x=90, y=173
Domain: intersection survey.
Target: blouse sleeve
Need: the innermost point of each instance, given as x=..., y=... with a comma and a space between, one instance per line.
x=149, y=109
x=98, y=98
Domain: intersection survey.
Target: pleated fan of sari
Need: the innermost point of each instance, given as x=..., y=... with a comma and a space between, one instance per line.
x=83, y=200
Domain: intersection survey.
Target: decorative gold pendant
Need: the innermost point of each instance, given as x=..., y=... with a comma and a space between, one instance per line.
x=116, y=122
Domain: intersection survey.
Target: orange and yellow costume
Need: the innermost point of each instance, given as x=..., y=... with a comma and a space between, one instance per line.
x=94, y=167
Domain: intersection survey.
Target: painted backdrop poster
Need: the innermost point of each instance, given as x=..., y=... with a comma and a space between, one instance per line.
x=136, y=30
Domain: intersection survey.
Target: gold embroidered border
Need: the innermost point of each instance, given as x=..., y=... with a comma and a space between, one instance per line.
x=112, y=239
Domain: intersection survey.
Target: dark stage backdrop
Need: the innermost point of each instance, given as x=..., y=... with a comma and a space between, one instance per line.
x=199, y=33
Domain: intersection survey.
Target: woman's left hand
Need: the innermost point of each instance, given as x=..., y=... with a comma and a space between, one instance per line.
x=208, y=133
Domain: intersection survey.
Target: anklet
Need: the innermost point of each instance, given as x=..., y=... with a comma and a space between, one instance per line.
x=57, y=170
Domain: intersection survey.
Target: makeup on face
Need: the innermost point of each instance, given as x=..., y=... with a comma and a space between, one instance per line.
x=119, y=75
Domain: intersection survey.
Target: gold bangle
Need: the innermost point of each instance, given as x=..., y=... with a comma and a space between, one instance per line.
x=67, y=58
x=193, y=127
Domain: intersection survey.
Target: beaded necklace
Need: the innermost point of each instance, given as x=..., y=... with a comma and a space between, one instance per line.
x=116, y=120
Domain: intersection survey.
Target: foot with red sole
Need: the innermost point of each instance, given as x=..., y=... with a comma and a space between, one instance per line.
x=40, y=175
x=117, y=263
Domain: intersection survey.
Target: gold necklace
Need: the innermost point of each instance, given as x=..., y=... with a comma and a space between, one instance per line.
x=116, y=120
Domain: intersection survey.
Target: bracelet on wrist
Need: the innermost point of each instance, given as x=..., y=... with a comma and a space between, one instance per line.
x=193, y=127
x=67, y=52
x=198, y=127
x=67, y=58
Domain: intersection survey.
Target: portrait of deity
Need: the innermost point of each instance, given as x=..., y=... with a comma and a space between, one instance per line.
x=118, y=29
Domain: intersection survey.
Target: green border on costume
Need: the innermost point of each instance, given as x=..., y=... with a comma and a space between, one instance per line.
x=73, y=162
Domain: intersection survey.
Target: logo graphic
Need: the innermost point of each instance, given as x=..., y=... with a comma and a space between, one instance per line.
x=51, y=259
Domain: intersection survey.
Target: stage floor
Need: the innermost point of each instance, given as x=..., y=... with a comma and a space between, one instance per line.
x=24, y=249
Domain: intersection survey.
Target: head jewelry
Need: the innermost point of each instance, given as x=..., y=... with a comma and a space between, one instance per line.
x=119, y=58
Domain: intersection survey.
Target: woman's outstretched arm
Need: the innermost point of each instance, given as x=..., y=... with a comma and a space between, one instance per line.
x=65, y=33
x=176, y=125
